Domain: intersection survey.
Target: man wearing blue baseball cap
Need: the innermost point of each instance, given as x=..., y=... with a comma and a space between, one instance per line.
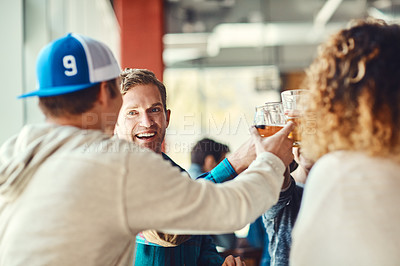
x=72, y=195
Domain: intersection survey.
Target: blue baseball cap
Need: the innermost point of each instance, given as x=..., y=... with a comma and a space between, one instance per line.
x=71, y=63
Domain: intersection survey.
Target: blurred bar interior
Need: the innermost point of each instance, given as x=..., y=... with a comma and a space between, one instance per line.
x=218, y=58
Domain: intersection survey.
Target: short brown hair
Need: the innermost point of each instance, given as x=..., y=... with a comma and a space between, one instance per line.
x=354, y=86
x=74, y=103
x=205, y=147
x=131, y=77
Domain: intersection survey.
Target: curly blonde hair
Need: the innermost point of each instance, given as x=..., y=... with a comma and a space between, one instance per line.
x=354, y=86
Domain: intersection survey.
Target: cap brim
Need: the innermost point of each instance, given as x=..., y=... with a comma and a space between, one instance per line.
x=55, y=91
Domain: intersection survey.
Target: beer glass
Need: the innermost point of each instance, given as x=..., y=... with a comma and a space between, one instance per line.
x=293, y=105
x=269, y=118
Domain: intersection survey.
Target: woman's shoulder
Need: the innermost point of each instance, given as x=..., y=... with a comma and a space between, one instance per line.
x=356, y=160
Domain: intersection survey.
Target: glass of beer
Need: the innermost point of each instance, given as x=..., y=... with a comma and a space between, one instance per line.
x=293, y=106
x=269, y=118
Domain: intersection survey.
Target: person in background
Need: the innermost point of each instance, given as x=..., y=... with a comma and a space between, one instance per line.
x=280, y=218
x=349, y=213
x=70, y=194
x=205, y=155
x=143, y=119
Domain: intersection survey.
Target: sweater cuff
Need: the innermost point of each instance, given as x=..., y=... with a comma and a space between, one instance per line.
x=273, y=161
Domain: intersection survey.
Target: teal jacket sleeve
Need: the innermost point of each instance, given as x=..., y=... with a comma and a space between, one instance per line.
x=221, y=173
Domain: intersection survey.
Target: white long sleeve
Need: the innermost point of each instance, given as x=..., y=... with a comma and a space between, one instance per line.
x=74, y=197
x=349, y=213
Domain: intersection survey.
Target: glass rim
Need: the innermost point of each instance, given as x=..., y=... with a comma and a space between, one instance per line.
x=291, y=91
x=272, y=103
x=268, y=103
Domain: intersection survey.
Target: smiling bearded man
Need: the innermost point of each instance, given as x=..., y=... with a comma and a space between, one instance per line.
x=143, y=119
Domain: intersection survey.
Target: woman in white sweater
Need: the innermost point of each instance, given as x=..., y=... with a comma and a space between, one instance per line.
x=350, y=210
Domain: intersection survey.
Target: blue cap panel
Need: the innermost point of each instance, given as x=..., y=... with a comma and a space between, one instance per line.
x=62, y=63
x=62, y=66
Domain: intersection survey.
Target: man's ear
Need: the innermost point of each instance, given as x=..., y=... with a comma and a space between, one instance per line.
x=168, y=116
x=104, y=96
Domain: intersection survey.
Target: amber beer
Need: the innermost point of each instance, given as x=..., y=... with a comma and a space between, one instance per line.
x=294, y=105
x=268, y=130
x=296, y=133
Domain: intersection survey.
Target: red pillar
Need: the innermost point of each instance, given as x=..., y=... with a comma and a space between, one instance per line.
x=142, y=29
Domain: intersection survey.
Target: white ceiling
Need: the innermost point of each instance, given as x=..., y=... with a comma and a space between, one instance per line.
x=284, y=33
